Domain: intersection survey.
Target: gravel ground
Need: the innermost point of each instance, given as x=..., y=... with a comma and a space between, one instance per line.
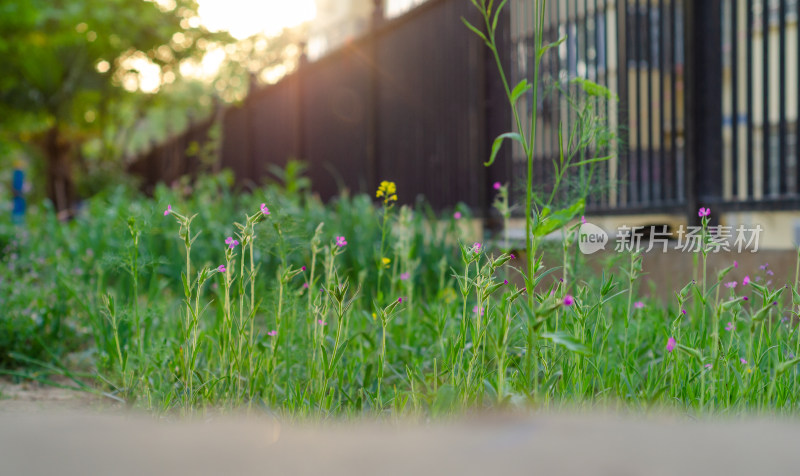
x=71, y=436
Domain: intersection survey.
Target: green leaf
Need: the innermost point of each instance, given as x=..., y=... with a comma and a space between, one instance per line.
x=593, y=89
x=476, y=31
x=591, y=161
x=324, y=357
x=520, y=89
x=784, y=366
x=554, y=44
x=559, y=218
x=497, y=14
x=499, y=142
x=691, y=352
x=568, y=341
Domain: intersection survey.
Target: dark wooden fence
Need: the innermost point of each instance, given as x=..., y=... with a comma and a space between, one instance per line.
x=708, y=109
x=407, y=102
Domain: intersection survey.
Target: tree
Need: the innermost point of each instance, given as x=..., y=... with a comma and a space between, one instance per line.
x=66, y=63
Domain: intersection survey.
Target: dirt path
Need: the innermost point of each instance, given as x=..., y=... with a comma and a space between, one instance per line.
x=71, y=440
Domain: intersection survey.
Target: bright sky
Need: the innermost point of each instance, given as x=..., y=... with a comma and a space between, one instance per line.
x=241, y=18
x=244, y=18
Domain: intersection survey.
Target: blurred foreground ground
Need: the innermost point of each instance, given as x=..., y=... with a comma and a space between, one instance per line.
x=57, y=432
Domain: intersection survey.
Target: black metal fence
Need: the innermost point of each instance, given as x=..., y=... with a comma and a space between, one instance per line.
x=707, y=108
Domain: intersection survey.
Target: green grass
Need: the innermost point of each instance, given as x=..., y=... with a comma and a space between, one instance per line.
x=111, y=288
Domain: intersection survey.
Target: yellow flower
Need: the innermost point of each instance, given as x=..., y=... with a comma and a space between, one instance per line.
x=374, y=316
x=387, y=190
x=386, y=262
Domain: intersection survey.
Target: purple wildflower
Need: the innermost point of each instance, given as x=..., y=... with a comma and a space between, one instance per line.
x=568, y=300
x=221, y=268
x=638, y=305
x=404, y=276
x=168, y=210
x=457, y=215
x=340, y=241
x=497, y=185
x=671, y=343
x=264, y=209
x=703, y=212
x=231, y=242
x=729, y=326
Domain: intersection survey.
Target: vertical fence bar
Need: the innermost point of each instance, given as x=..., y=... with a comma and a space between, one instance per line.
x=650, y=185
x=638, y=177
x=750, y=106
x=623, y=169
x=673, y=93
x=735, y=98
x=704, y=79
x=665, y=184
x=782, y=180
x=765, y=122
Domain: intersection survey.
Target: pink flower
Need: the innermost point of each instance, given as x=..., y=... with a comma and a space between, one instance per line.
x=168, y=210
x=735, y=264
x=272, y=333
x=404, y=276
x=340, y=241
x=568, y=300
x=709, y=366
x=457, y=215
x=638, y=305
x=744, y=362
x=505, y=281
x=475, y=310
x=264, y=209
x=321, y=322
x=513, y=257
x=731, y=285
x=671, y=343
x=763, y=266
x=221, y=268
x=745, y=298
x=729, y=326
x=399, y=300
x=583, y=219
x=683, y=311
x=231, y=242
x=476, y=247
x=305, y=285
x=497, y=185
x=704, y=212
x=303, y=268
x=746, y=281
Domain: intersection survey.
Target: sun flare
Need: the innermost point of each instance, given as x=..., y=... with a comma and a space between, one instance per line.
x=244, y=18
